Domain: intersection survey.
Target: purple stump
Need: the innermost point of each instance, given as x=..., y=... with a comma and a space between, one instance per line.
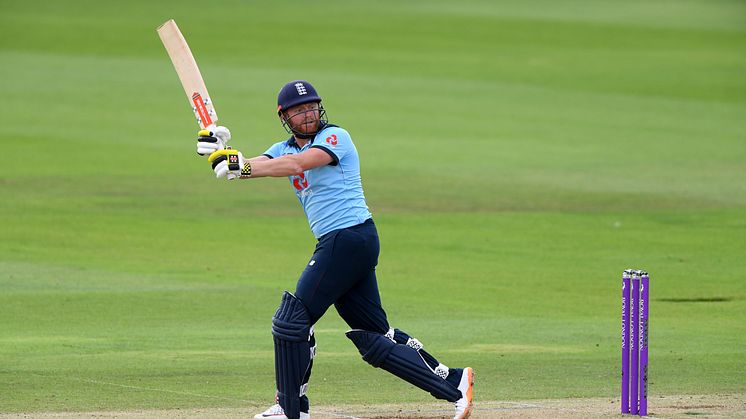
x=634, y=319
x=643, y=342
x=625, y=340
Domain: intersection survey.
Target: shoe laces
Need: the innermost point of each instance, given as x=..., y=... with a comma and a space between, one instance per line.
x=461, y=404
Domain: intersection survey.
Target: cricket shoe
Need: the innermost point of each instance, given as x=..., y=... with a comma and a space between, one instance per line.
x=466, y=387
x=276, y=412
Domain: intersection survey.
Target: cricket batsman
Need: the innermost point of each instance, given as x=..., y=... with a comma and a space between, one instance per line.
x=323, y=167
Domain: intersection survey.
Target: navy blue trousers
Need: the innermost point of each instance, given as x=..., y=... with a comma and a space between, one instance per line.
x=342, y=272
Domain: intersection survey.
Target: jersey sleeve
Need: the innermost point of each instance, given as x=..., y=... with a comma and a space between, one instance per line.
x=336, y=142
x=274, y=151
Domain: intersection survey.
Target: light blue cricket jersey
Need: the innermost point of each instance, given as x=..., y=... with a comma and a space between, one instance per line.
x=331, y=195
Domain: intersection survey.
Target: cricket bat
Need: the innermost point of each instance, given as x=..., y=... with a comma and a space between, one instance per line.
x=191, y=78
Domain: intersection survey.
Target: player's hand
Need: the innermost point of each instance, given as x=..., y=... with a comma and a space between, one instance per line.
x=212, y=139
x=230, y=163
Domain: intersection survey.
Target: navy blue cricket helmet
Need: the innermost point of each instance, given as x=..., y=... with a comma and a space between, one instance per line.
x=295, y=93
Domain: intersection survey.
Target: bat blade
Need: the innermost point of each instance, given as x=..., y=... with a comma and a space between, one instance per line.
x=189, y=74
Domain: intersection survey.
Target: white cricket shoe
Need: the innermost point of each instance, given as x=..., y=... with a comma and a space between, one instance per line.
x=466, y=387
x=275, y=412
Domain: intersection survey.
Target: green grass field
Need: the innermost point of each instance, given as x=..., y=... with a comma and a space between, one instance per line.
x=517, y=157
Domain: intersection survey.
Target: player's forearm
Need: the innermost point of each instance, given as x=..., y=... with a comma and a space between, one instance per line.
x=279, y=167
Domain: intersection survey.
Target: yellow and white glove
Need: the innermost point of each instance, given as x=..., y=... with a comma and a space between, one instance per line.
x=230, y=163
x=212, y=139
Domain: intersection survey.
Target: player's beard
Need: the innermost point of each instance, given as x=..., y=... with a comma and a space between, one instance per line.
x=307, y=129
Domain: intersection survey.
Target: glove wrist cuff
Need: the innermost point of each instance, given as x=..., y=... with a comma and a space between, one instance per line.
x=246, y=169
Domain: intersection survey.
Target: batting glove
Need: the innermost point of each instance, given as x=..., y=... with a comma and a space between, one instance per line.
x=230, y=163
x=212, y=139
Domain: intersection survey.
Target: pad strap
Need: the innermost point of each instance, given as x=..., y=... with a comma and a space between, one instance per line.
x=403, y=361
x=398, y=336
